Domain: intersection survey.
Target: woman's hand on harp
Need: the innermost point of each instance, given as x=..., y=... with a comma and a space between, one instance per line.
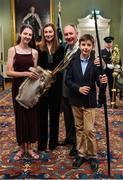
x=32, y=75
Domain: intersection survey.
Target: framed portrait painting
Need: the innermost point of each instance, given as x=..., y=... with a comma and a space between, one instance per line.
x=33, y=12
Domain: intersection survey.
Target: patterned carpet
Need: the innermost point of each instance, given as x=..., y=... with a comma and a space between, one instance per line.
x=57, y=164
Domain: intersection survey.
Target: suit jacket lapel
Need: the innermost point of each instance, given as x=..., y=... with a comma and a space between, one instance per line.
x=78, y=66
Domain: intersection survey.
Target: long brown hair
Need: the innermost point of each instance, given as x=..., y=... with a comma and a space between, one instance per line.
x=32, y=42
x=43, y=45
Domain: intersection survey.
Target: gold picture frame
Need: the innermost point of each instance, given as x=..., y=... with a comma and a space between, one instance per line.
x=45, y=9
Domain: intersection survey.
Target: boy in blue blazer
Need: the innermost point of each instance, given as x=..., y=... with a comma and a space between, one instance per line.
x=81, y=79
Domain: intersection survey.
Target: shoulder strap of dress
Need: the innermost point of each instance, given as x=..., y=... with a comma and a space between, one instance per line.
x=15, y=54
x=15, y=49
x=32, y=54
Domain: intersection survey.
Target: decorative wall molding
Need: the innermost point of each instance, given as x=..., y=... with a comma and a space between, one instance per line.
x=87, y=26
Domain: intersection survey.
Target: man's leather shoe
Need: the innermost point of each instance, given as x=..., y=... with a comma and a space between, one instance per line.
x=94, y=164
x=73, y=151
x=78, y=162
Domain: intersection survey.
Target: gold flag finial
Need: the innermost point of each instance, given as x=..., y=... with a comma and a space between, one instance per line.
x=59, y=6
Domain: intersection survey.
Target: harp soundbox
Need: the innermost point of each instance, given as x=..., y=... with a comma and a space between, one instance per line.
x=31, y=90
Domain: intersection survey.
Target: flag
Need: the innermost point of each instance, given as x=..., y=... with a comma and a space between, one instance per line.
x=59, y=25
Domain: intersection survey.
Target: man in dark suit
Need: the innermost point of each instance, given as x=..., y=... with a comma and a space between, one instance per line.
x=72, y=46
x=107, y=57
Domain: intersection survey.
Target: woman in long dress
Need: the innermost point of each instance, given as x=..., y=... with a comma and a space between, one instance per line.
x=20, y=58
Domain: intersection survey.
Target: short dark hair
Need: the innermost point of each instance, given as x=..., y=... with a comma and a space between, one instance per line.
x=86, y=37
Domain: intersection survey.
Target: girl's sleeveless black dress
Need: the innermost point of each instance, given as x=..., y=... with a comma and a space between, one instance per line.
x=26, y=120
